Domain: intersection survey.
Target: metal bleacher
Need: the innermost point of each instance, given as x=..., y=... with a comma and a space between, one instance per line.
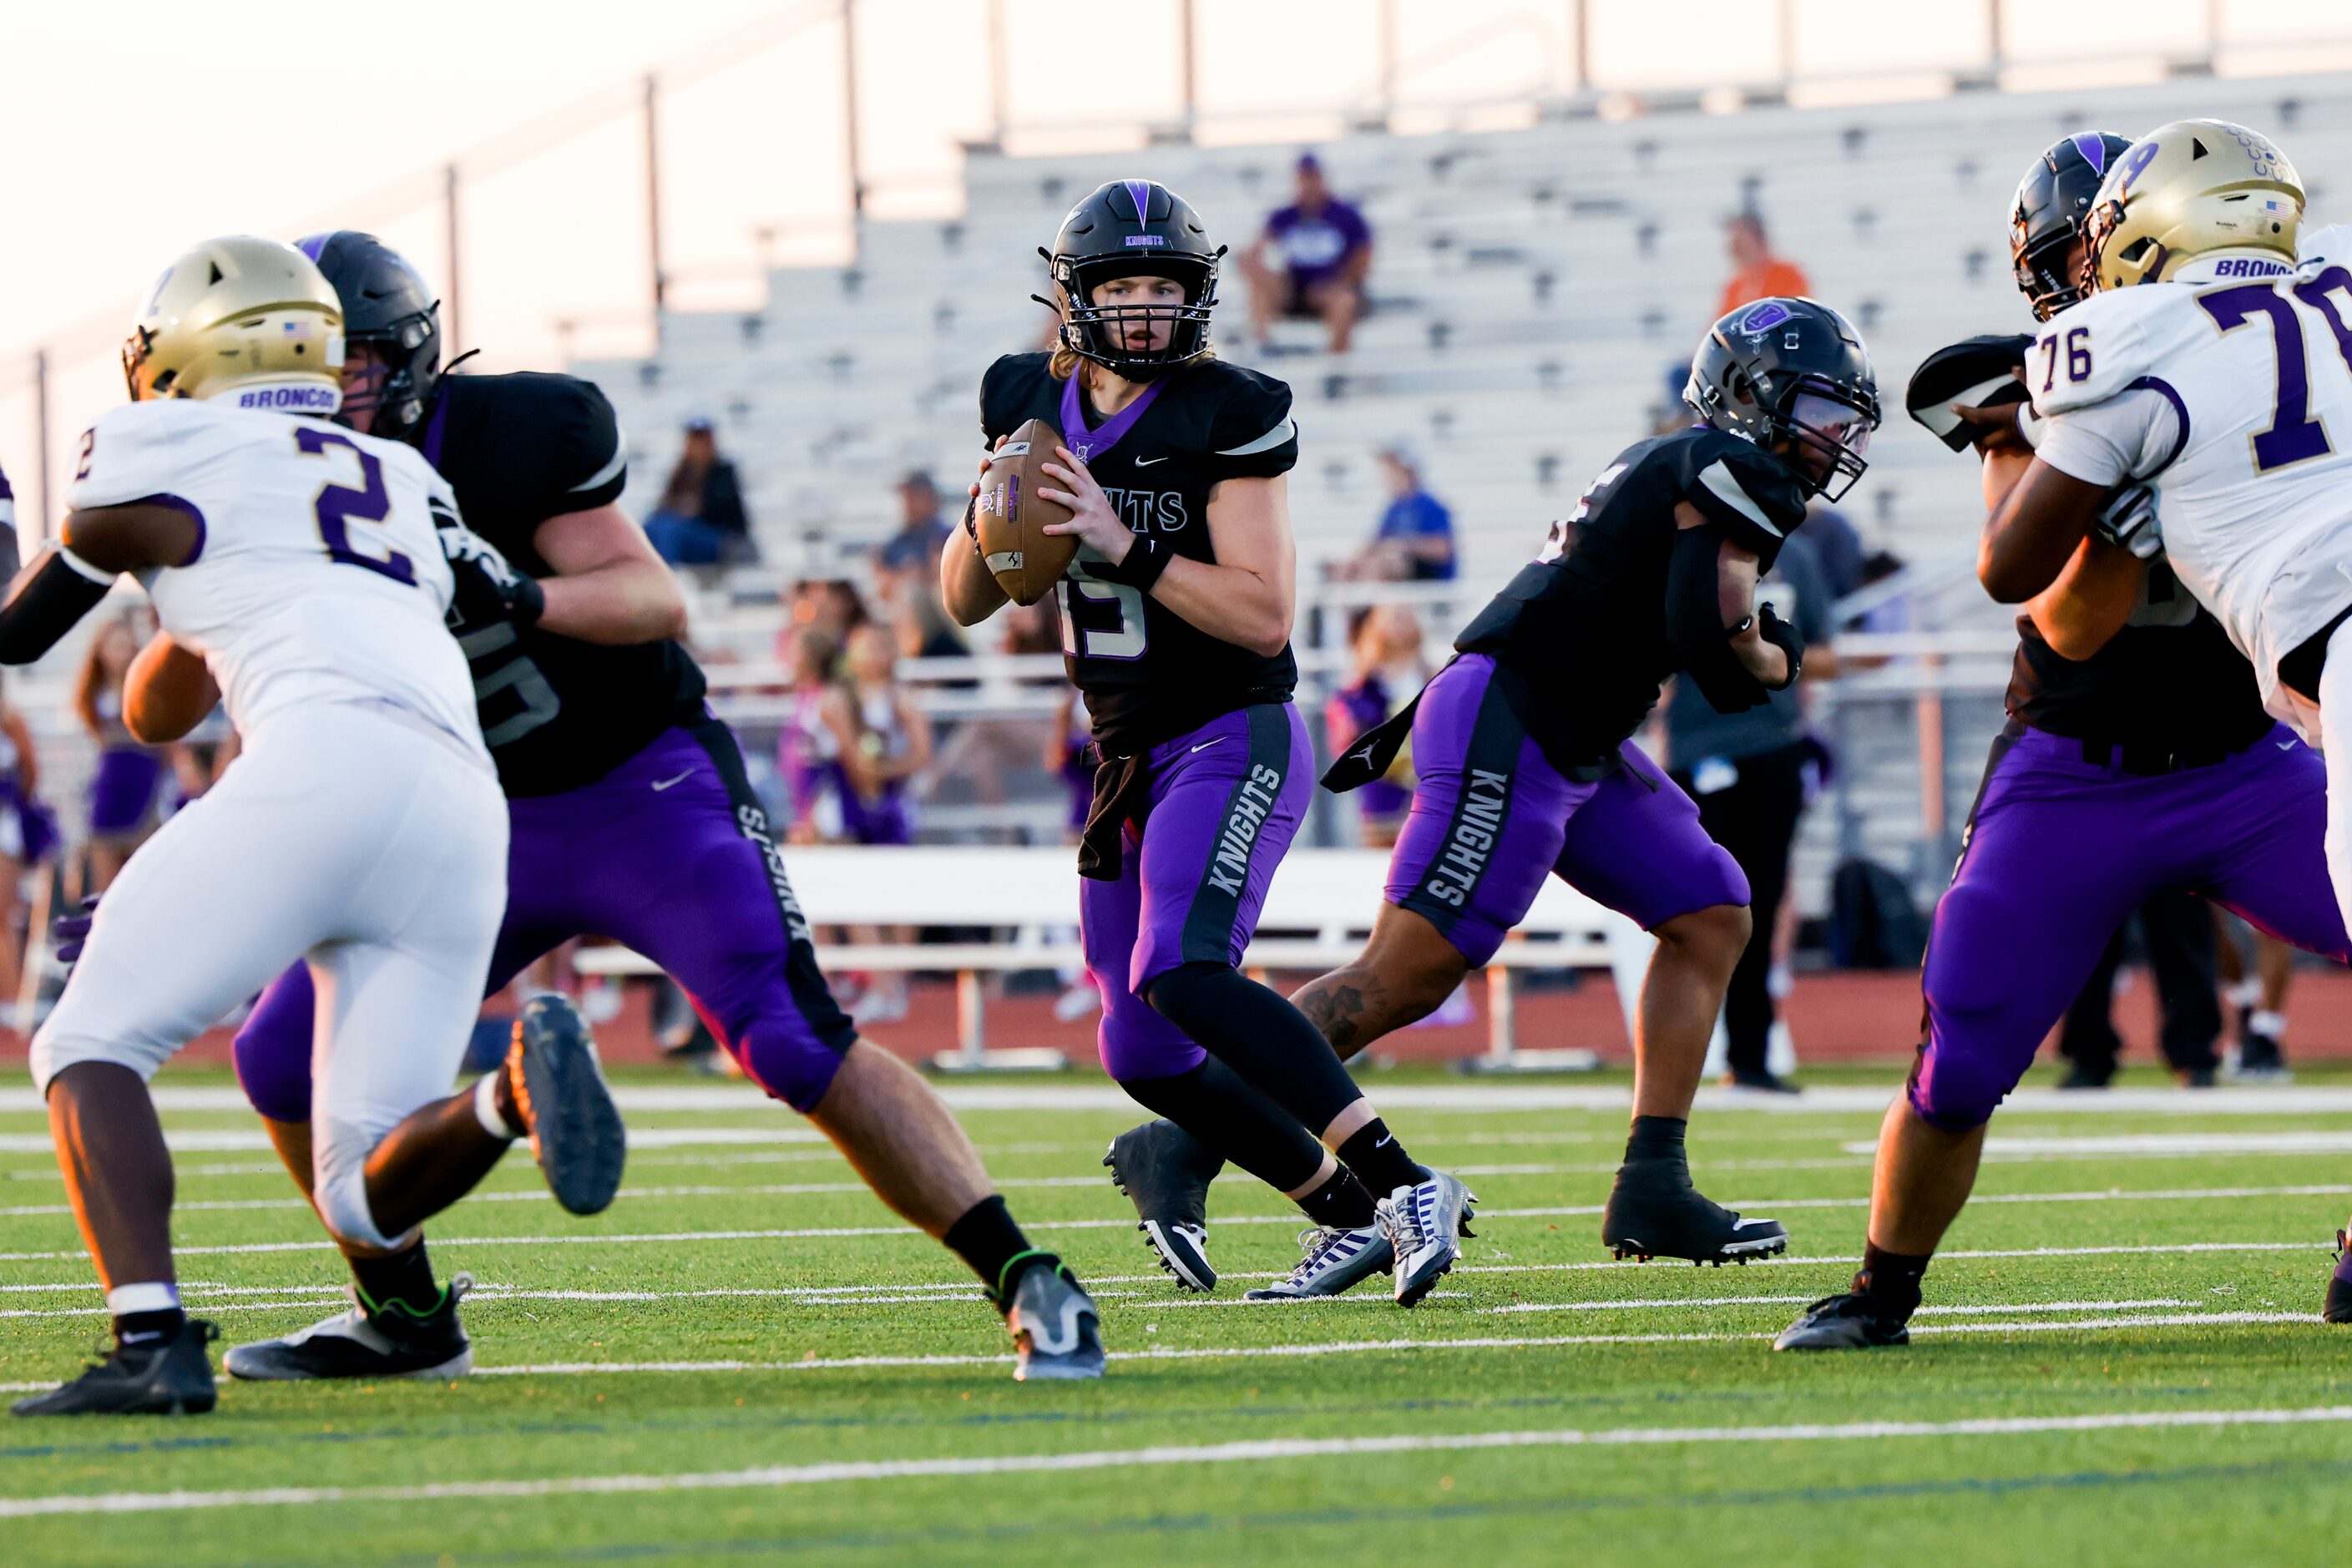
x=1532, y=288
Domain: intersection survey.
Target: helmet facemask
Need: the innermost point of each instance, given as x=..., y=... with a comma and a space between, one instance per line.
x=402, y=361
x=1827, y=429
x=1098, y=333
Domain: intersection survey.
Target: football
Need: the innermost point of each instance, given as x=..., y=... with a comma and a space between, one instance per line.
x=1011, y=520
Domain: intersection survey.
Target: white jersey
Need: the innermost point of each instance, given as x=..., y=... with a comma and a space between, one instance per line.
x=318, y=575
x=2229, y=390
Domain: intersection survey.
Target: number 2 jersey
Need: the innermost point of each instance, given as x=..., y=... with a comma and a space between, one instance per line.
x=318, y=575
x=1581, y=630
x=558, y=713
x=2229, y=390
x=1148, y=675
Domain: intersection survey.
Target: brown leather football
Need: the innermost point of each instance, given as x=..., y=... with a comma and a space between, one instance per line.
x=1011, y=520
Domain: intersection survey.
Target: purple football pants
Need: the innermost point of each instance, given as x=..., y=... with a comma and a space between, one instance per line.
x=670, y=853
x=2060, y=849
x=1226, y=802
x=1492, y=817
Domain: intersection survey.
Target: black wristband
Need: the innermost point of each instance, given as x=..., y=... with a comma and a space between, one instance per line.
x=46, y=606
x=1146, y=559
x=1785, y=637
x=528, y=601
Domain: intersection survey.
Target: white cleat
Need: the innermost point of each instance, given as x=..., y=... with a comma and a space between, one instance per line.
x=1424, y=1222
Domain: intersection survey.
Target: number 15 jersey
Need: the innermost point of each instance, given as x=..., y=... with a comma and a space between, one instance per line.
x=2229, y=390
x=318, y=576
x=1148, y=674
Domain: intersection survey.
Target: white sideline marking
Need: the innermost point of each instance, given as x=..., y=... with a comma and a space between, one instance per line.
x=1772, y=1300
x=1361, y=1347
x=2146, y=1146
x=1254, y=1451
x=1840, y=1100
x=240, y=1141
x=538, y=1195
x=2110, y=1194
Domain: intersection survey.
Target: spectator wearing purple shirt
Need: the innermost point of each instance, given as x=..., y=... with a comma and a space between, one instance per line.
x=1385, y=670
x=1311, y=261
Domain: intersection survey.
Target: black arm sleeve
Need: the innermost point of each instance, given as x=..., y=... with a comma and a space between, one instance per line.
x=54, y=597
x=1695, y=627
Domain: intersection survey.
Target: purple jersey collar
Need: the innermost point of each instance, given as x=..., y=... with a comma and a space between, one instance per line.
x=1089, y=444
x=434, y=429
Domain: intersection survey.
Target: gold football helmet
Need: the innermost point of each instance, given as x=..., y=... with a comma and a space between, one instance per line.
x=239, y=310
x=2195, y=187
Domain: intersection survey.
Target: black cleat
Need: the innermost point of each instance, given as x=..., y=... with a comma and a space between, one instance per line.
x=1764, y=1080
x=2338, y=1307
x=171, y=1377
x=2262, y=1058
x=1655, y=1212
x=575, y=1128
x=1056, y=1332
x=2081, y=1077
x=390, y=1341
x=1165, y=1172
x=1848, y=1323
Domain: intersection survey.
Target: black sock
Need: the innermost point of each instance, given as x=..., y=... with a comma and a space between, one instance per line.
x=1891, y=1280
x=1341, y=1202
x=1656, y=1138
x=405, y=1277
x=136, y=1329
x=1257, y=1033
x=993, y=1247
x=1234, y=1121
x=1375, y=1155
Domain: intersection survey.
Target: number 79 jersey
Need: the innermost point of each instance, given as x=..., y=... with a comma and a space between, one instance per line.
x=2229, y=390
x=318, y=576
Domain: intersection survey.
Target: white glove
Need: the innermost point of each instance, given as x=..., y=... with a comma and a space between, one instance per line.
x=2129, y=519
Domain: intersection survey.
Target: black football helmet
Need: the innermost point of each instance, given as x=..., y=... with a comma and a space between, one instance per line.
x=386, y=303
x=1131, y=229
x=2052, y=203
x=1789, y=373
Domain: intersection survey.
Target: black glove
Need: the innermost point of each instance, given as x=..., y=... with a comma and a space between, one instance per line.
x=488, y=588
x=1977, y=371
x=70, y=931
x=1784, y=636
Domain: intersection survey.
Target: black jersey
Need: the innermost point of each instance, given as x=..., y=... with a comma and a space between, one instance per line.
x=558, y=713
x=1582, y=627
x=2170, y=680
x=1146, y=674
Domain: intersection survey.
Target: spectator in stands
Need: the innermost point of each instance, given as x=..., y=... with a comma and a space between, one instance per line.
x=1748, y=772
x=126, y=790
x=1758, y=272
x=825, y=608
x=1311, y=261
x=906, y=574
x=1385, y=669
x=701, y=520
x=1414, y=542
x=1837, y=546
x=28, y=834
x=806, y=752
x=11, y=559
x=883, y=742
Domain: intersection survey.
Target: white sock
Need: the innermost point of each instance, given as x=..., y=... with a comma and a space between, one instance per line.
x=486, y=1108
x=2245, y=993
x=2266, y=1022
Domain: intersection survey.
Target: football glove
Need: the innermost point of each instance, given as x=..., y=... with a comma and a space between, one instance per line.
x=1977, y=371
x=488, y=588
x=2128, y=518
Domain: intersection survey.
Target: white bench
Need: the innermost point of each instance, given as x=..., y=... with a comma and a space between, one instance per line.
x=1317, y=914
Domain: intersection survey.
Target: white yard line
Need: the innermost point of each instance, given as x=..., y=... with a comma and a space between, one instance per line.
x=1254, y=1451
x=2111, y=1195
x=1840, y=1099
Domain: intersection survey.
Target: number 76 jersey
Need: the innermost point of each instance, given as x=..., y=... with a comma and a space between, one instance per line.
x=318, y=576
x=2229, y=390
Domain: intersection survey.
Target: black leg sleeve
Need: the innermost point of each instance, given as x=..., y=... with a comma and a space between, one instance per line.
x=1233, y=1121
x=1258, y=1034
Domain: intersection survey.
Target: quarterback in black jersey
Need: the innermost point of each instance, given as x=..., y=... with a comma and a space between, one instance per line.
x=1176, y=623
x=631, y=817
x=2138, y=759
x=1522, y=748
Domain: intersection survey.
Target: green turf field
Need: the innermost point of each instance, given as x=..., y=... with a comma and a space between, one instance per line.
x=746, y=1358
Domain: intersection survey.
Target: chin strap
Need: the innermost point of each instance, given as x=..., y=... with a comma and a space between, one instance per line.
x=55, y=596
